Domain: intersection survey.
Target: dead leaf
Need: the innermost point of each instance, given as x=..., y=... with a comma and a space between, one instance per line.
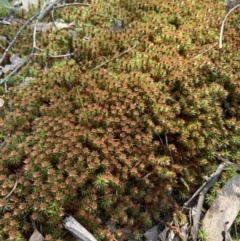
x=24, y=3
x=15, y=61
x=223, y=211
x=36, y=236
x=41, y=26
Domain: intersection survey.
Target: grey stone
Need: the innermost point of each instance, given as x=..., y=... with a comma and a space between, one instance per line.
x=151, y=234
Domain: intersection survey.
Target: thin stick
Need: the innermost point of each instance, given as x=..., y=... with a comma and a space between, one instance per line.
x=169, y=150
x=4, y=142
x=82, y=105
x=60, y=56
x=72, y=4
x=17, y=68
x=202, y=194
x=204, y=51
x=15, y=185
x=47, y=10
x=222, y=27
x=16, y=36
x=235, y=166
x=114, y=58
x=208, y=183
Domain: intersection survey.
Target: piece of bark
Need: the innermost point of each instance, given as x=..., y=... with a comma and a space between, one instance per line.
x=36, y=236
x=223, y=211
x=77, y=230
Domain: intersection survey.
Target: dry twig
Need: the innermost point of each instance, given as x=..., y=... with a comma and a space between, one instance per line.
x=222, y=27
x=15, y=185
x=46, y=10
x=202, y=191
x=126, y=51
x=16, y=36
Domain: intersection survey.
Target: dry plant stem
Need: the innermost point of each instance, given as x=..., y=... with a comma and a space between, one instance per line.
x=34, y=35
x=169, y=150
x=35, y=27
x=47, y=10
x=72, y=4
x=5, y=87
x=162, y=143
x=196, y=217
x=147, y=175
x=4, y=22
x=60, y=56
x=235, y=166
x=34, y=39
x=205, y=51
x=222, y=27
x=26, y=59
x=230, y=67
x=16, y=69
x=53, y=19
x=4, y=142
x=128, y=50
x=39, y=16
x=82, y=105
x=33, y=223
x=15, y=185
x=206, y=184
x=202, y=193
x=16, y=36
x=171, y=227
